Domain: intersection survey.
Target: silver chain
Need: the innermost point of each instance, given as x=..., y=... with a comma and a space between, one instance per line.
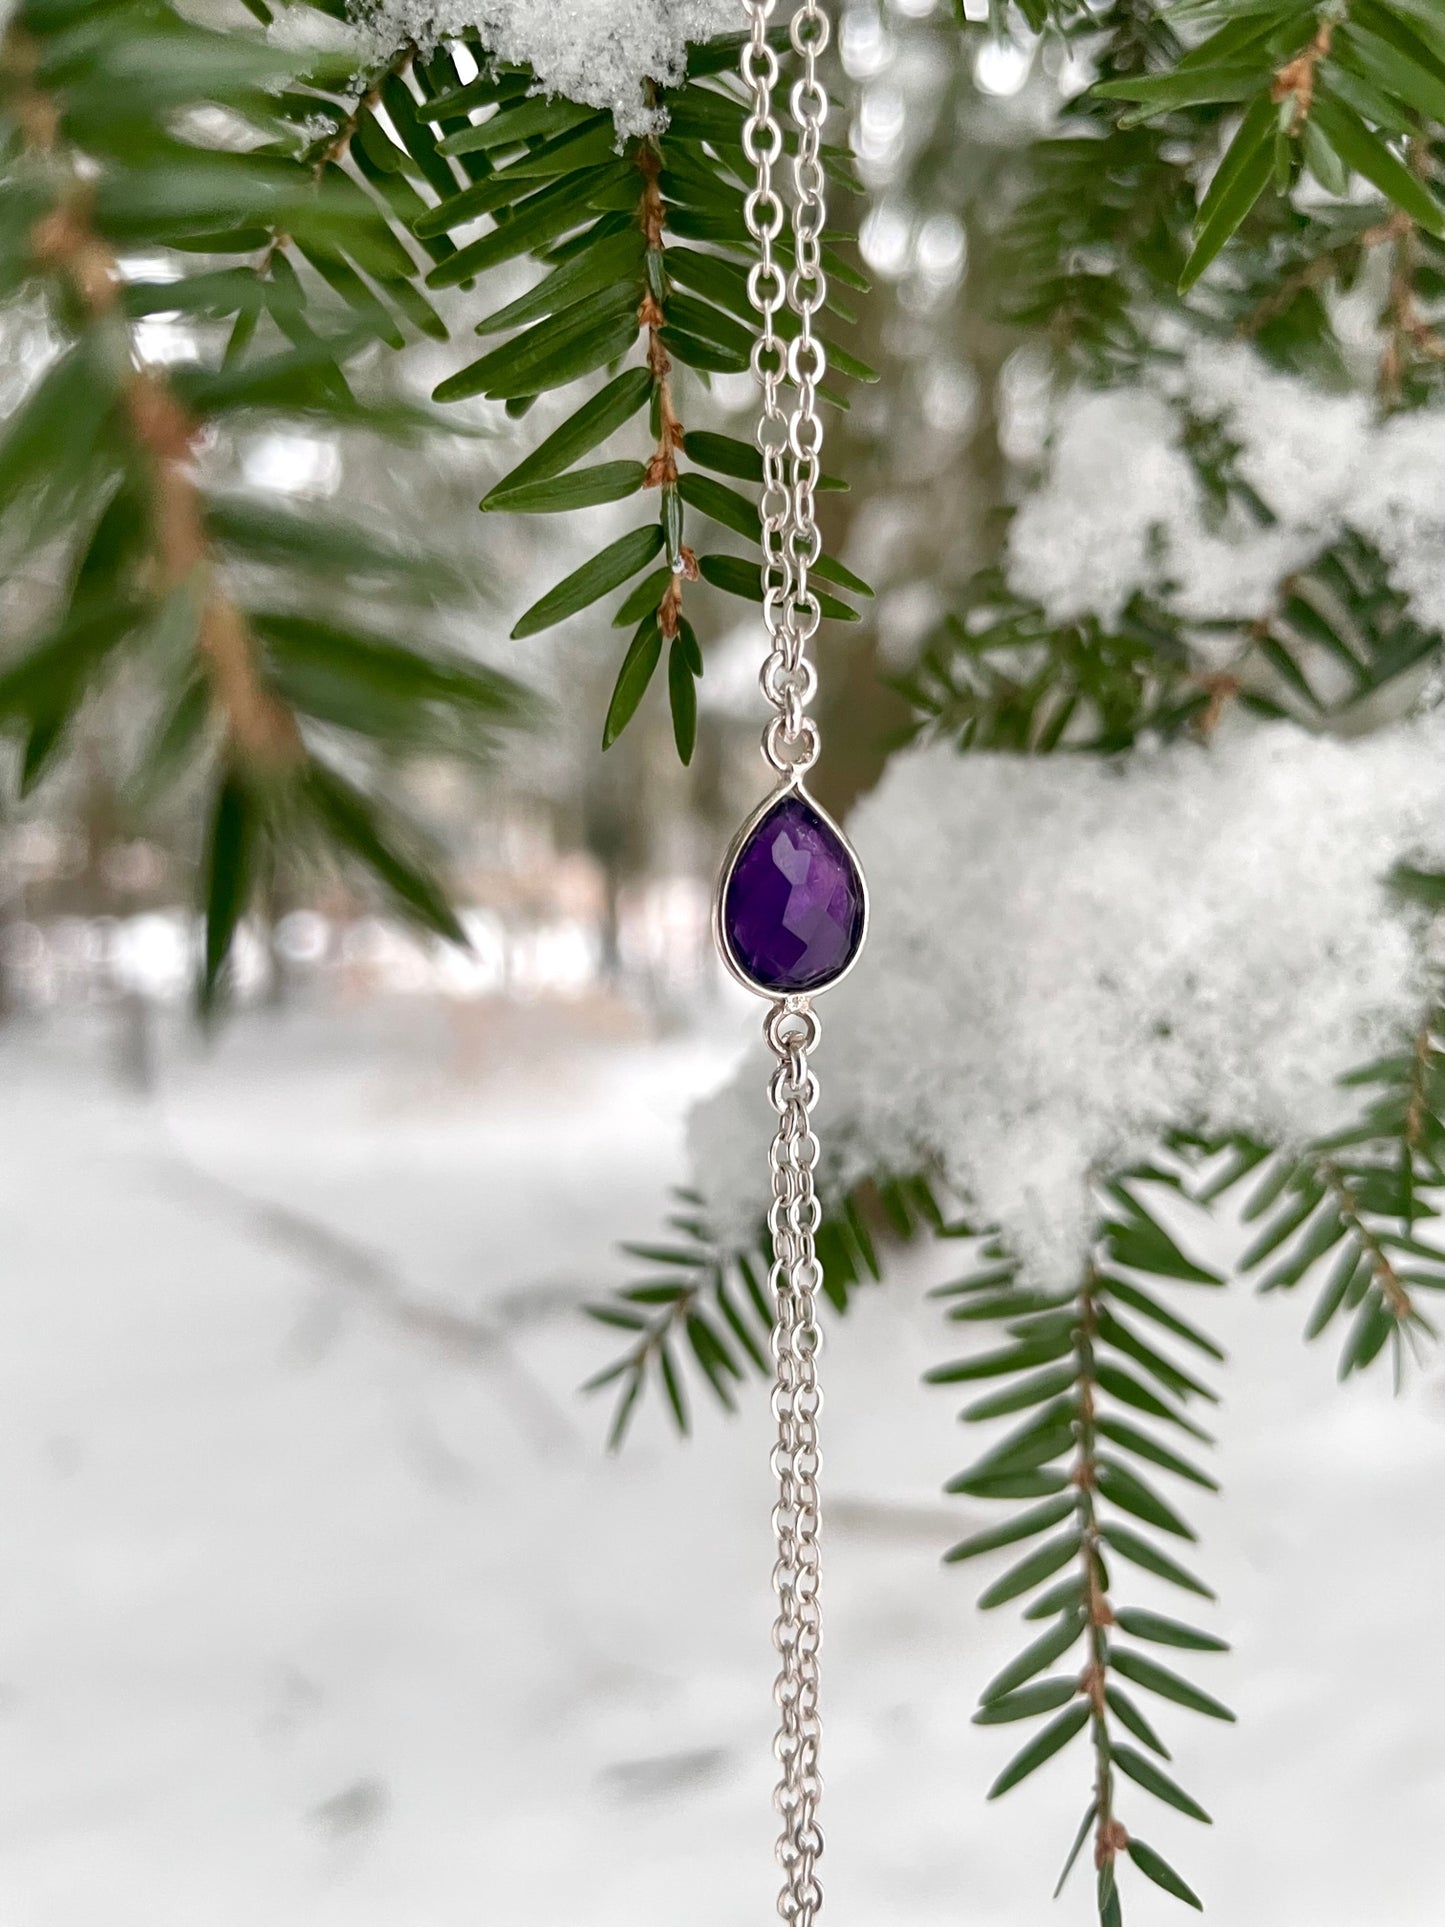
x=791, y=445
x=793, y=1219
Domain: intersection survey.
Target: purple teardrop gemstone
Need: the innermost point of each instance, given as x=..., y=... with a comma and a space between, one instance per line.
x=792, y=909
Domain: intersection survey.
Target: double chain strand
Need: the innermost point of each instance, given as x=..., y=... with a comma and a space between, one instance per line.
x=790, y=444
x=793, y=1219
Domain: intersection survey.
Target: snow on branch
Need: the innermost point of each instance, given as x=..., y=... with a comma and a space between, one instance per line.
x=599, y=52
x=1069, y=956
x=1123, y=505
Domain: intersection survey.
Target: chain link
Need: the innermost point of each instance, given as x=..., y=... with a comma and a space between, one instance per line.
x=793, y=1219
x=790, y=443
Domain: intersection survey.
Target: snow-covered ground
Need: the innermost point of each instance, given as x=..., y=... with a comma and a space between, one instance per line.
x=320, y=1605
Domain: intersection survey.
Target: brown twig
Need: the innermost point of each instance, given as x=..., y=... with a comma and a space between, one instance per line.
x=64, y=242
x=1393, y=1290
x=337, y=146
x=1421, y=1059
x=1406, y=327
x=1222, y=689
x=1110, y=1837
x=1316, y=272
x=1296, y=79
x=662, y=467
x=652, y=214
x=1226, y=686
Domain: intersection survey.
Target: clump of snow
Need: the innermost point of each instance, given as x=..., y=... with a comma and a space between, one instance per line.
x=1070, y=955
x=1122, y=507
x=307, y=30
x=1399, y=502
x=599, y=52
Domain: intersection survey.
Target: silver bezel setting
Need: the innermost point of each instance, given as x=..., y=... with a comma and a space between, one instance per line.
x=789, y=786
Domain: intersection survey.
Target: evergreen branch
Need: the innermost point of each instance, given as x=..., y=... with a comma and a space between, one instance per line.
x=710, y=1301
x=1327, y=1206
x=1330, y=264
x=65, y=244
x=1394, y=1297
x=1335, y=95
x=100, y=469
x=1091, y=254
x=646, y=245
x=1408, y=335
x=998, y=674
x=1092, y=248
x=1338, y=631
x=1081, y=1370
x=1109, y=1835
x=671, y=436
x=1410, y=339
x=334, y=148
x=1347, y=1209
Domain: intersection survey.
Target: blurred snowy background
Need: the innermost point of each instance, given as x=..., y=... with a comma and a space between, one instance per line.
x=321, y=1604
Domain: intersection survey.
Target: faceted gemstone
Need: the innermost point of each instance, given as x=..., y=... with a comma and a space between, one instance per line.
x=792, y=907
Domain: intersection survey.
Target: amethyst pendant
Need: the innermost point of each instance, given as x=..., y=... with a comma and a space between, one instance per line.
x=792, y=905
